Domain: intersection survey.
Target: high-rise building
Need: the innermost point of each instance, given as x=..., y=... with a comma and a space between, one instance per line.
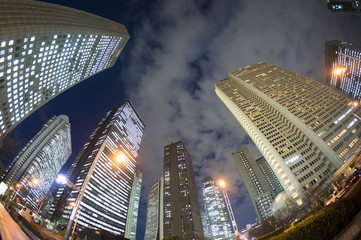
x=154, y=222
x=205, y=225
x=344, y=6
x=305, y=130
x=261, y=183
x=106, y=201
x=132, y=218
x=45, y=49
x=219, y=225
x=182, y=215
x=343, y=63
x=34, y=169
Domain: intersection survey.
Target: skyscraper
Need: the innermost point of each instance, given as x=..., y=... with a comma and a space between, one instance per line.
x=344, y=6
x=219, y=225
x=45, y=49
x=182, y=215
x=35, y=168
x=154, y=223
x=106, y=202
x=305, y=130
x=132, y=218
x=343, y=63
x=205, y=225
x=261, y=183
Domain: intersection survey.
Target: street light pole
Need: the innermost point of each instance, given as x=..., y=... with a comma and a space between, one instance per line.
x=73, y=214
x=222, y=184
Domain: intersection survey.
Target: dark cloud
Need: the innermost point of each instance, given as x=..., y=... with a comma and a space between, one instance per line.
x=197, y=44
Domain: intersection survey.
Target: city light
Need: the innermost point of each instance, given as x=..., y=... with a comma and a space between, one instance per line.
x=61, y=179
x=121, y=158
x=222, y=183
x=340, y=70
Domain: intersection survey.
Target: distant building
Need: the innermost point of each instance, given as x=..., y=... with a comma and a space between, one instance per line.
x=45, y=49
x=305, y=130
x=132, y=218
x=344, y=6
x=182, y=215
x=260, y=181
x=343, y=62
x=33, y=171
x=205, y=225
x=216, y=215
x=108, y=196
x=154, y=223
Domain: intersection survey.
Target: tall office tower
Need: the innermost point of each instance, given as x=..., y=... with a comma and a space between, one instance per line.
x=182, y=215
x=343, y=63
x=45, y=49
x=261, y=183
x=113, y=149
x=132, y=218
x=205, y=225
x=154, y=223
x=344, y=6
x=35, y=168
x=219, y=225
x=305, y=130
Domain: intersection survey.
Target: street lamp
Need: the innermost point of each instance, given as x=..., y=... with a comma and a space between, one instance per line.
x=355, y=104
x=222, y=184
x=339, y=70
x=18, y=186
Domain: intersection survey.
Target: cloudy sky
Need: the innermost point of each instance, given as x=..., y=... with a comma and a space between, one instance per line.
x=177, y=51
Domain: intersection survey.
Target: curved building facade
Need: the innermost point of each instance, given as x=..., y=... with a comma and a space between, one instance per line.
x=305, y=130
x=45, y=49
x=108, y=203
x=34, y=169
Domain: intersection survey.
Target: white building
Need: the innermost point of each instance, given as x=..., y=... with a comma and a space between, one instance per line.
x=216, y=215
x=305, y=130
x=108, y=198
x=154, y=222
x=132, y=218
x=34, y=169
x=45, y=49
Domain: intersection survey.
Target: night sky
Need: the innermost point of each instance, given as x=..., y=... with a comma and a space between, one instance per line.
x=176, y=52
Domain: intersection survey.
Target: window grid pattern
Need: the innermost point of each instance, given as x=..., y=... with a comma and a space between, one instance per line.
x=324, y=111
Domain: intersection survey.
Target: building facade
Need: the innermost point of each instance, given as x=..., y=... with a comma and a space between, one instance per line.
x=132, y=218
x=305, y=130
x=345, y=6
x=205, y=225
x=343, y=63
x=45, y=49
x=182, y=215
x=261, y=183
x=33, y=171
x=107, y=198
x=154, y=223
x=216, y=215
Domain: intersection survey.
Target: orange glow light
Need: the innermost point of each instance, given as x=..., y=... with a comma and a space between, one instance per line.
x=222, y=183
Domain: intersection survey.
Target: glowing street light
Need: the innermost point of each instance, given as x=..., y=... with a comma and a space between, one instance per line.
x=339, y=70
x=61, y=179
x=355, y=104
x=121, y=158
x=18, y=186
x=222, y=184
